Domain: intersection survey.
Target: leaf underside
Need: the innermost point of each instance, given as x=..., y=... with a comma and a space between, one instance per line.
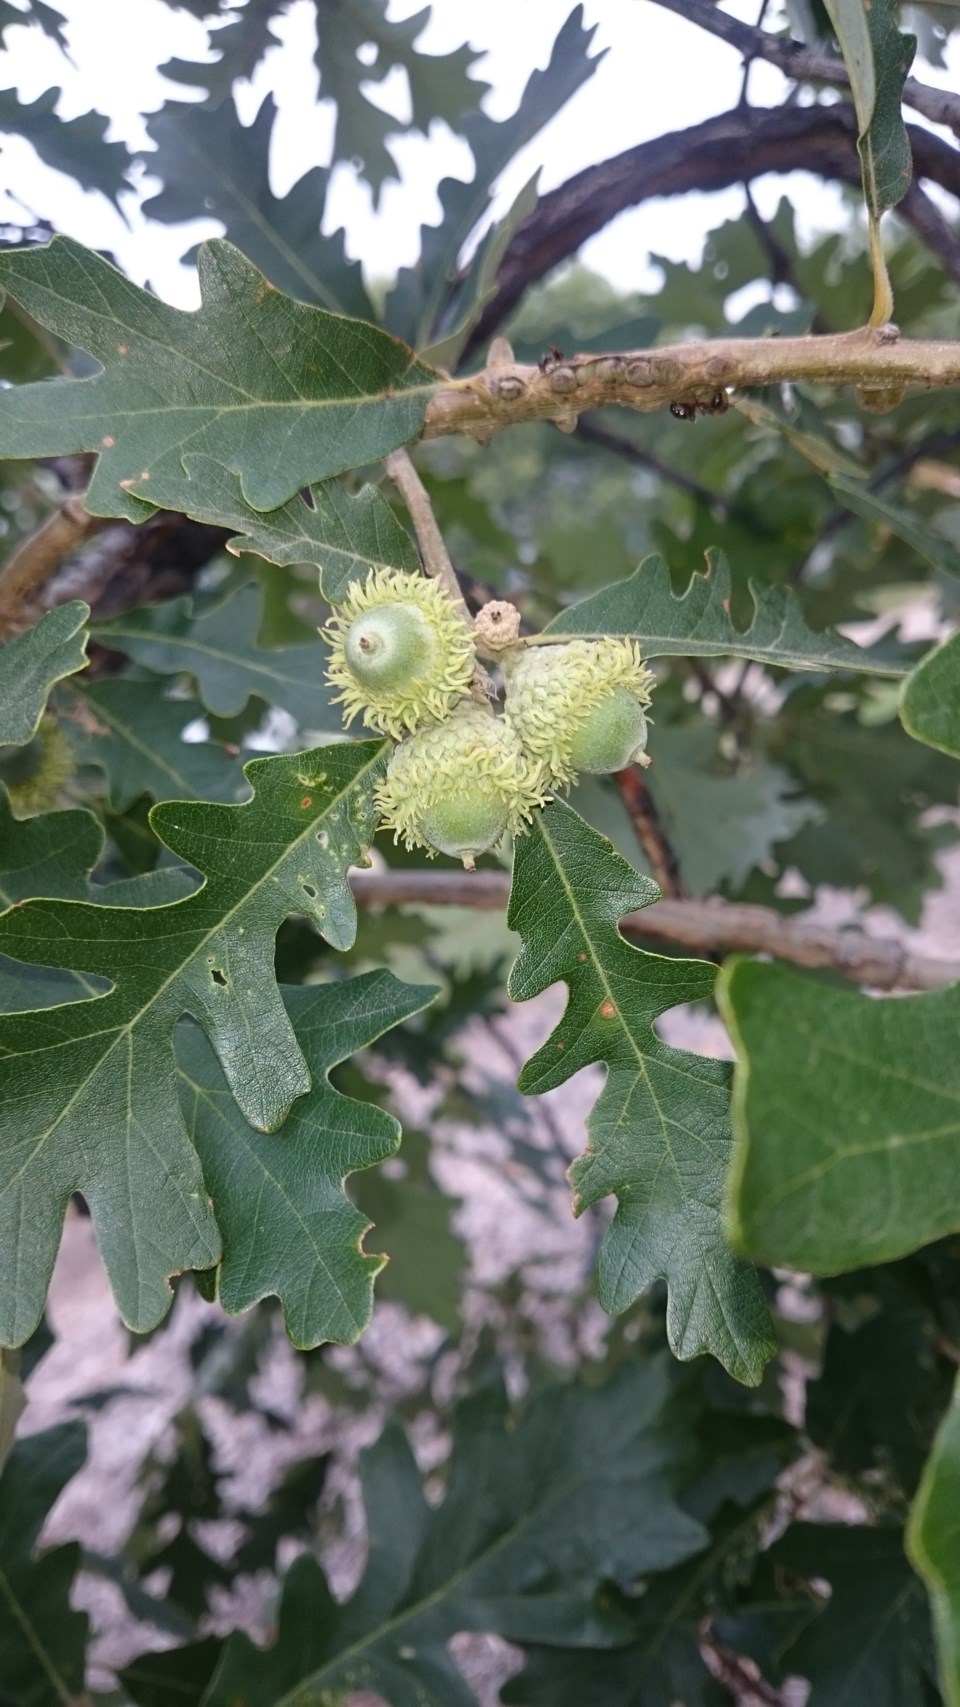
x=659, y=1133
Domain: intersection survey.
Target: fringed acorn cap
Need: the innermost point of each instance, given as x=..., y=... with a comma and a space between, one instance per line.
x=401, y=653
x=459, y=787
x=35, y=775
x=579, y=705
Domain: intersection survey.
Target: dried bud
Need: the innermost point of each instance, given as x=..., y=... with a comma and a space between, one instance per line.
x=459, y=787
x=496, y=627
x=579, y=705
x=400, y=652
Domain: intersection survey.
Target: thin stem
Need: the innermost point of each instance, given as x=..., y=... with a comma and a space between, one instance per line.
x=40, y=556
x=704, y=927
x=433, y=550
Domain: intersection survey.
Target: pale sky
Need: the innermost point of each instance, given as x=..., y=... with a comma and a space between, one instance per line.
x=655, y=58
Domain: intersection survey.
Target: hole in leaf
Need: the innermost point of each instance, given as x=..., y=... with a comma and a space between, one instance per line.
x=308, y=889
x=308, y=497
x=218, y=977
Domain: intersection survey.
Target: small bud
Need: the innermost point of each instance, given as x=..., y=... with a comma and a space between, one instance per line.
x=579, y=705
x=496, y=626
x=400, y=652
x=459, y=787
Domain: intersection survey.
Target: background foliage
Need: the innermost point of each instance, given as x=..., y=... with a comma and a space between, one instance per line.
x=642, y=1528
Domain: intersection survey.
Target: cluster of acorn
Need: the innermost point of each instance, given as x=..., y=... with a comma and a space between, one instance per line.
x=465, y=773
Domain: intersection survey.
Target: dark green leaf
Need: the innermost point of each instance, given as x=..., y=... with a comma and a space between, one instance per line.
x=847, y=1119
x=212, y=165
x=12, y=1401
x=875, y=786
x=75, y=146
x=870, y=1641
x=51, y=855
x=880, y=1392
x=219, y=649
x=345, y=535
x=42, y=1640
x=659, y=1134
x=90, y=1093
x=413, y=1218
x=698, y=624
x=32, y=662
x=479, y=282
x=933, y=1542
x=662, y=1665
x=240, y=41
x=541, y=1508
x=439, y=85
x=135, y=735
x=721, y=825
x=930, y=703
x=177, y=1677
x=421, y=307
x=288, y=1227
x=878, y=59
x=50, y=18
x=934, y=548
x=281, y=393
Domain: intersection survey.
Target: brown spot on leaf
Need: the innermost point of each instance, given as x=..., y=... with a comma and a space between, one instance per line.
x=608, y=1009
x=108, y=441
x=306, y=801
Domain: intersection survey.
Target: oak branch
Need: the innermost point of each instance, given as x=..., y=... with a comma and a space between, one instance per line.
x=694, y=377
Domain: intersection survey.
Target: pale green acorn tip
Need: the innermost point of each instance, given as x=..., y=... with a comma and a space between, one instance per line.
x=401, y=654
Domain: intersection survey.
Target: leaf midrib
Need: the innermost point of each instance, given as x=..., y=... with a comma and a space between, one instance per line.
x=442, y=1592
x=271, y=232
x=128, y=734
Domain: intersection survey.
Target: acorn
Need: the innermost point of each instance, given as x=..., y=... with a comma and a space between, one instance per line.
x=401, y=652
x=36, y=774
x=579, y=705
x=460, y=786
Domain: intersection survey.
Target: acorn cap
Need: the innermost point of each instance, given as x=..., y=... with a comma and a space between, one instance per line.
x=578, y=705
x=401, y=653
x=460, y=786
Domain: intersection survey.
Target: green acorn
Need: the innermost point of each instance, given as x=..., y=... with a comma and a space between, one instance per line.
x=401, y=653
x=579, y=705
x=459, y=787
